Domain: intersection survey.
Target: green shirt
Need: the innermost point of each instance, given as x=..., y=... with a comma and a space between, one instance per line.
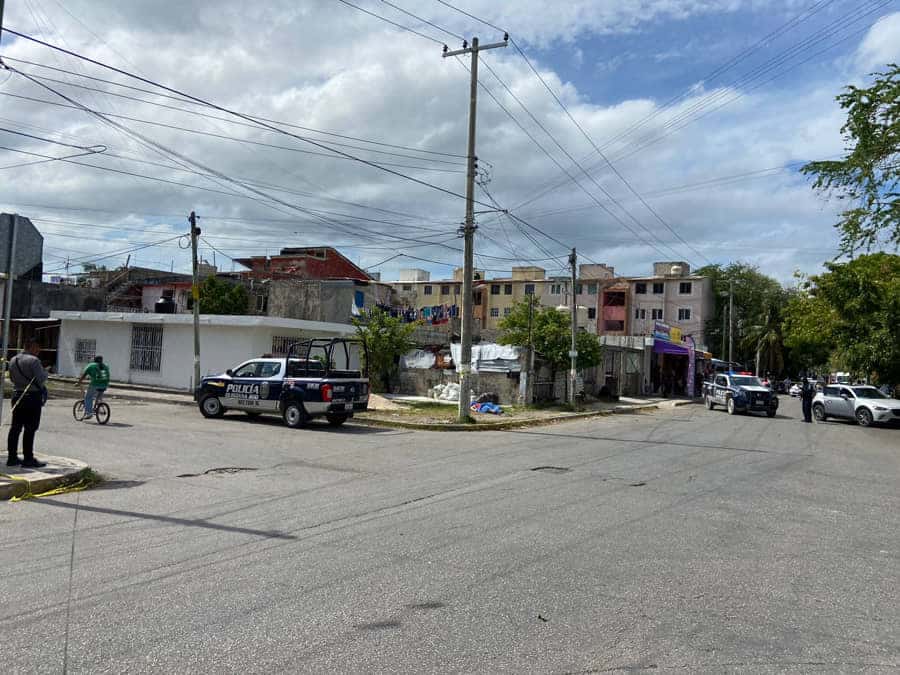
x=99, y=374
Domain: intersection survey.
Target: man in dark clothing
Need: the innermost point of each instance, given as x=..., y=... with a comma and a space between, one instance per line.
x=29, y=387
x=806, y=396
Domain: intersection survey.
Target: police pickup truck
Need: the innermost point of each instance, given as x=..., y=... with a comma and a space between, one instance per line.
x=739, y=393
x=317, y=378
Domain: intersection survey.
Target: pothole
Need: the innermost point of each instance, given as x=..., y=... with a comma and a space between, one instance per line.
x=551, y=469
x=218, y=470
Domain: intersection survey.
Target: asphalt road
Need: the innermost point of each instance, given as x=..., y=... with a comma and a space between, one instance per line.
x=675, y=540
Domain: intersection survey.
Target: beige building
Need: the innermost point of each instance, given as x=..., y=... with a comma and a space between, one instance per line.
x=673, y=296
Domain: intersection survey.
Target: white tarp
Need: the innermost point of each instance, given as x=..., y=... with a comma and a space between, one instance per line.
x=417, y=359
x=490, y=357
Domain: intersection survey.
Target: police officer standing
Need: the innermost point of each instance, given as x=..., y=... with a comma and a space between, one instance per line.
x=29, y=389
x=807, y=393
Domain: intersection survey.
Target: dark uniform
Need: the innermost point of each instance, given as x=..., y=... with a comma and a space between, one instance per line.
x=29, y=380
x=806, y=397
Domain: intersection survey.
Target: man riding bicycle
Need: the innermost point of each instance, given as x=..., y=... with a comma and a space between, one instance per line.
x=98, y=373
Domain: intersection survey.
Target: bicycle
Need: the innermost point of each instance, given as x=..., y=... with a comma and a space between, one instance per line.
x=101, y=408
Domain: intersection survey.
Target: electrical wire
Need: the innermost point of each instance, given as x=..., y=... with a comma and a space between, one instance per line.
x=393, y=23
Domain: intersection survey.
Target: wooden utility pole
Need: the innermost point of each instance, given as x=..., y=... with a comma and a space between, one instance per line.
x=464, y=367
x=195, y=294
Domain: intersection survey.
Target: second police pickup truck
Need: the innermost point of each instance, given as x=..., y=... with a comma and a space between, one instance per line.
x=739, y=393
x=318, y=378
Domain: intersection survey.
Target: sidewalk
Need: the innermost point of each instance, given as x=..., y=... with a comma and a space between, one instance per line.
x=17, y=481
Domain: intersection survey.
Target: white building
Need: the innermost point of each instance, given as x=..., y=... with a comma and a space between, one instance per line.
x=674, y=296
x=158, y=349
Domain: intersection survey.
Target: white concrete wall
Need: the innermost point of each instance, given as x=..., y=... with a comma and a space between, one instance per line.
x=221, y=347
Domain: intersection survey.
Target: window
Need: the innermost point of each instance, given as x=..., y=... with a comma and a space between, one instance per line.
x=684, y=314
x=85, y=350
x=427, y=290
x=685, y=287
x=640, y=314
x=832, y=392
x=495, y=289
x=407, y=287
x=529, y=289
x=281, y=344
x=848, y=392
x=659, y=288
x=250, y=369
x=507, y=289
x=269, y=369
x=556, y=289
x=592, y=289
x=445, y=290
x=592, y=312
x=507, y=311
x=656, y=314
x=721, y=381
x=640, y=288
x=495, y=312
x=579, y=289
x=146, y=348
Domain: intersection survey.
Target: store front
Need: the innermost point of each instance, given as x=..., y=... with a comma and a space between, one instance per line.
x=672, y=362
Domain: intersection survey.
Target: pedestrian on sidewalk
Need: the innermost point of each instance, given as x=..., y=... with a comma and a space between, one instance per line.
x=807, y=393
x=29, y=394
x=98, y=372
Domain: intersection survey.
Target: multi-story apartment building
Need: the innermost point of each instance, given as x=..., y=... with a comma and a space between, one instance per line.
x=673, y=296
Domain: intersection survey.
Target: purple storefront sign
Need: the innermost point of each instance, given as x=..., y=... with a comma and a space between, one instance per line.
x=666, y=347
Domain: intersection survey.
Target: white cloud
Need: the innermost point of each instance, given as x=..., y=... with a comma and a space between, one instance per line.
x=881, y=44
x=326, y=66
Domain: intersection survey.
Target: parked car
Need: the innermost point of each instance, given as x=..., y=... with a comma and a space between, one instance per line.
x=739, y=393
x=796, y=390
x=318, y=378
x=865, y=404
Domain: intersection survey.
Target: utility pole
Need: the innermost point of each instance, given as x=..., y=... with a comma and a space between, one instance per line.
x=195, y=294
x=529, y=372
x=7, y=307
x=730, y=321
x=464, y=367
x=573, y=352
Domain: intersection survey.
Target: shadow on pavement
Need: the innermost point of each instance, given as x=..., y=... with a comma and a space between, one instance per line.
x=314, y=425
x=187, y=522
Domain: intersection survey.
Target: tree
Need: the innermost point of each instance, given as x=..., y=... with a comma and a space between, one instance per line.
x=386, y=339
x=808, y=329
x=868, y=177
x=551, y=335
x=861, y=298
x=221, y=297
x=758, y=303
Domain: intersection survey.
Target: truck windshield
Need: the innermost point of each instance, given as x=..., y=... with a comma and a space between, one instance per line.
x=746, y=381
x=868, y=392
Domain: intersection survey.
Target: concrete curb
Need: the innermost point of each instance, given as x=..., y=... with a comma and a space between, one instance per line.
x=511, y=424
x=16, y=481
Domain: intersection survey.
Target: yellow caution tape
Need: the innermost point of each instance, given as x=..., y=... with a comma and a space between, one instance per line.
x=87, y=480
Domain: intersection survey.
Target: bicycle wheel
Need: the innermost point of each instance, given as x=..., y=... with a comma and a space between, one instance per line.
x=101, y=410
x=78, y=411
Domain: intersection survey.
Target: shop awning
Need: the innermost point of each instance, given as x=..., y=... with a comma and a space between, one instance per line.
x=665, y=347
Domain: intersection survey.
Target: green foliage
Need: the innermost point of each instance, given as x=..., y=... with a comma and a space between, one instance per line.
x=808, y=328
x=551, y=334
x=868, y=177
x=221, y=297
x=386, y=339
x=759, y=301
x=857, y=305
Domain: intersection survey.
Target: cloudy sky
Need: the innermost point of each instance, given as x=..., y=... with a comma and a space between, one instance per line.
x=702, y=112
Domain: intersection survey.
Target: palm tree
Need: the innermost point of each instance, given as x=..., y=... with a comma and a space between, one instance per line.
x=766, y=340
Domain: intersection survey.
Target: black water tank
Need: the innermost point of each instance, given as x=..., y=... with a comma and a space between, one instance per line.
x=164, y=306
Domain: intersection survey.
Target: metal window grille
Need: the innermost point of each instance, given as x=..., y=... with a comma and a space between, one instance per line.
x=85, y=350
x=146, y=348
x=281, y=344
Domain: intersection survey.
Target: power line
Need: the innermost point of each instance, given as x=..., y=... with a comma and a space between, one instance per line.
x=393, y=23
x=600, y=152
x=425, y=21
x=225, y=110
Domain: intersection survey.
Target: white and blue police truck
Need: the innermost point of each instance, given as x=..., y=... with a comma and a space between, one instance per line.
x=317, y=378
